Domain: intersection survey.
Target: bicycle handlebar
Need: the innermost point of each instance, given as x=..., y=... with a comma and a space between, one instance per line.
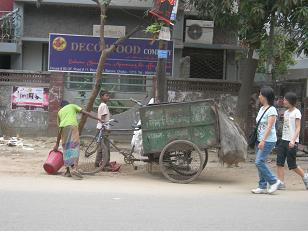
x=137, y=102
x=108, y=123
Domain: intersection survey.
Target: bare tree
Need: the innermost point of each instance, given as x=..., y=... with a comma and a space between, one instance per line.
x=105, y=52
x=103, y=5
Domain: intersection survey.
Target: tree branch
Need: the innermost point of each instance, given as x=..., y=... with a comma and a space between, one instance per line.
x=102, y=27
x=105, y=52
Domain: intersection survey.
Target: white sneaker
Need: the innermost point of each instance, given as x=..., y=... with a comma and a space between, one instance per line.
x=259, y=191
x=282, y=186
x=274, y=187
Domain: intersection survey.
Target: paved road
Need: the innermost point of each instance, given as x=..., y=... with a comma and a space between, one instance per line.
x=45, y=203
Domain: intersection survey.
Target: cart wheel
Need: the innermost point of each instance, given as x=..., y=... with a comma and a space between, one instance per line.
x=181, y=161
x=88, y=152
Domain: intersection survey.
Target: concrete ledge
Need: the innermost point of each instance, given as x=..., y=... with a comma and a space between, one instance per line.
x=27, y=132
x=134, y=4
x=212, y=46
x=24, y=72
x=10, y=48
x=26, y=84
x=296, y=74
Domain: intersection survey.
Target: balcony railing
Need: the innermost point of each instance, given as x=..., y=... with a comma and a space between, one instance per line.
x=10, y=24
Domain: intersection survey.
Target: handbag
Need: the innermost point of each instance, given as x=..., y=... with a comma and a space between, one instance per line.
x=253, y=137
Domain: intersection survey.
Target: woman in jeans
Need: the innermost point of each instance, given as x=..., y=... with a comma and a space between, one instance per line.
x=266, y=142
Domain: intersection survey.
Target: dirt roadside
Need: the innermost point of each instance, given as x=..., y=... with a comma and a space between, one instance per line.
x=17, y=161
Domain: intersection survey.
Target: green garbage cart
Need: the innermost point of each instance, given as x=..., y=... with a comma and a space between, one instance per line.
x=178, y=135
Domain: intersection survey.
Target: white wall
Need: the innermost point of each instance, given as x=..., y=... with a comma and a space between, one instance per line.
x=32, y=56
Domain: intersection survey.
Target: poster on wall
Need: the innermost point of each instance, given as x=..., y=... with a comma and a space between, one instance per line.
x=30, y=98
x=78, y=53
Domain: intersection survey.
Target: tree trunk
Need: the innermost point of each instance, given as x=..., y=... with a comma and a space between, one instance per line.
x=99, y=70
x=247, y=73
x=98, y=80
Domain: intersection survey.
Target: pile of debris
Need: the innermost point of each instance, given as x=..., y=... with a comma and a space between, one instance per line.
x=15, y=142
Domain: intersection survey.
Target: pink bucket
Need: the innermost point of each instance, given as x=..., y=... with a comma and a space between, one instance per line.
x=54, y=162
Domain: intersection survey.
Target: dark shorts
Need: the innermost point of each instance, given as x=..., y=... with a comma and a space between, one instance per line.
x=284, y=152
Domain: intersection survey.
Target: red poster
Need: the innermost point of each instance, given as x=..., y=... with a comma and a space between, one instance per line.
x=163, y=9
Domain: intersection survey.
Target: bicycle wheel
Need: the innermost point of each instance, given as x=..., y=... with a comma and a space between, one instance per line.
x=88, y=152
x=181, y=161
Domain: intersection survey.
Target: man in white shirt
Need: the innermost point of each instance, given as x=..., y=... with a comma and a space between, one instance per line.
x=104, y=114
x=287, y=148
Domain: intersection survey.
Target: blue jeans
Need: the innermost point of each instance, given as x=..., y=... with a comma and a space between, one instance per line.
x=265, y=174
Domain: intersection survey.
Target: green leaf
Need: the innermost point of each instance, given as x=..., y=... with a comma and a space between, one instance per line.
x=104, y=2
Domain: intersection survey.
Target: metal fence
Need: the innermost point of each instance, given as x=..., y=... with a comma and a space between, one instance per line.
x=78, y=87
x=10, y=25
x=15, y=76
x=206, y=64
x=204, y=85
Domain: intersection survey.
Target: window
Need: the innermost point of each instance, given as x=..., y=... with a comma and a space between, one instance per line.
x=205, y=63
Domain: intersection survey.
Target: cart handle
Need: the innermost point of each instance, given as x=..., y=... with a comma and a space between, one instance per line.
x=137, y=102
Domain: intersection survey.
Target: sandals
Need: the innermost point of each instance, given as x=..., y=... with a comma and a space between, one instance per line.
x=72, y=172
x=67, y=173
x=76, y=175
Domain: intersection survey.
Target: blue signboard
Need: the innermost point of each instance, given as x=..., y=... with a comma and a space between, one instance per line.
x=75, y=53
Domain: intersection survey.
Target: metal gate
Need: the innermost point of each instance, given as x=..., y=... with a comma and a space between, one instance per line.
x=78, y=88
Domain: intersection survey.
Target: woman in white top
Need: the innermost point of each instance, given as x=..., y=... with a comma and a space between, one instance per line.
x=287, y=148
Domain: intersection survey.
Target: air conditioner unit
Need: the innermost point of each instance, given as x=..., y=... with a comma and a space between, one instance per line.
x=199, y=31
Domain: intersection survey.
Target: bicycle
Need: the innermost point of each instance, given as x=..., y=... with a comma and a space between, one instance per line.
x=89, y=146
x=174, y=160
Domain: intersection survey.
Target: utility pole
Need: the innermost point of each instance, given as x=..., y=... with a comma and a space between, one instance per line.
x=161, y=72
x=165, y=11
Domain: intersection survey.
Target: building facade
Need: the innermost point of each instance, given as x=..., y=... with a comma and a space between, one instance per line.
x=201, y=51
x=29, y=43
